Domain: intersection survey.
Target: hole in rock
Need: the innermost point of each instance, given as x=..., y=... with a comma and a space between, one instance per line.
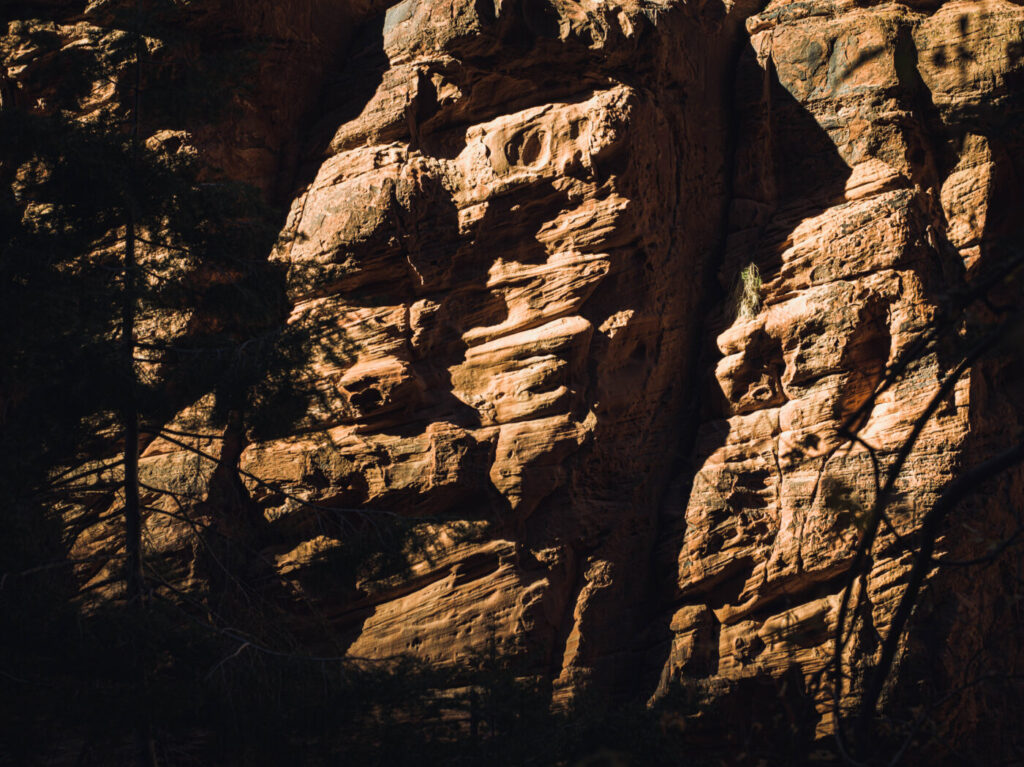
x=525, y=148
x=367, y=400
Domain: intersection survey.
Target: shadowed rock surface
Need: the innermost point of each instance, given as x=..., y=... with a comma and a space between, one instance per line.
x=516, y=230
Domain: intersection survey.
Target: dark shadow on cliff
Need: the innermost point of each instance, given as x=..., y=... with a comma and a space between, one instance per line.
x=211, y=314
x=357, y=73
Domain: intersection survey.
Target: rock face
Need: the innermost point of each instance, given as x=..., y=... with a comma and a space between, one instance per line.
x=862, y=224
x=513, y=260
x=515, y=231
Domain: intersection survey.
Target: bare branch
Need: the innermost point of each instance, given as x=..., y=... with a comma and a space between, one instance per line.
x=960, y=488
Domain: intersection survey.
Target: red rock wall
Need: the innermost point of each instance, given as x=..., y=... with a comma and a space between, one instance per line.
x=517, y=229
x=859, y=130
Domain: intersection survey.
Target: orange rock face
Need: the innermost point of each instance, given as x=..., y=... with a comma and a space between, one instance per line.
x=514, y=259
x=518, y=231
x=881, y=124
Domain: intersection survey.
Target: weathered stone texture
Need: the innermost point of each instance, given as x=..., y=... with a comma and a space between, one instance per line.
x=861, y=240
x=503, y=225
x=514, y=259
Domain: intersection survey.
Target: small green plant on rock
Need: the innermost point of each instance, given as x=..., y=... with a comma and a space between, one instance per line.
x=747, y=293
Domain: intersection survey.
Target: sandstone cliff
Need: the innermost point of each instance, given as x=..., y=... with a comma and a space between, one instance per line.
x=521, y=231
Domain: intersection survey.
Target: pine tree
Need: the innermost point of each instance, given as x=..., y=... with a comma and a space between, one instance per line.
x=125, y=267
x=132, y=281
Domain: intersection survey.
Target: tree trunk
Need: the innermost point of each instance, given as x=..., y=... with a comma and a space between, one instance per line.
x=134, y=577
x=130, y=414
x=130, y=419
